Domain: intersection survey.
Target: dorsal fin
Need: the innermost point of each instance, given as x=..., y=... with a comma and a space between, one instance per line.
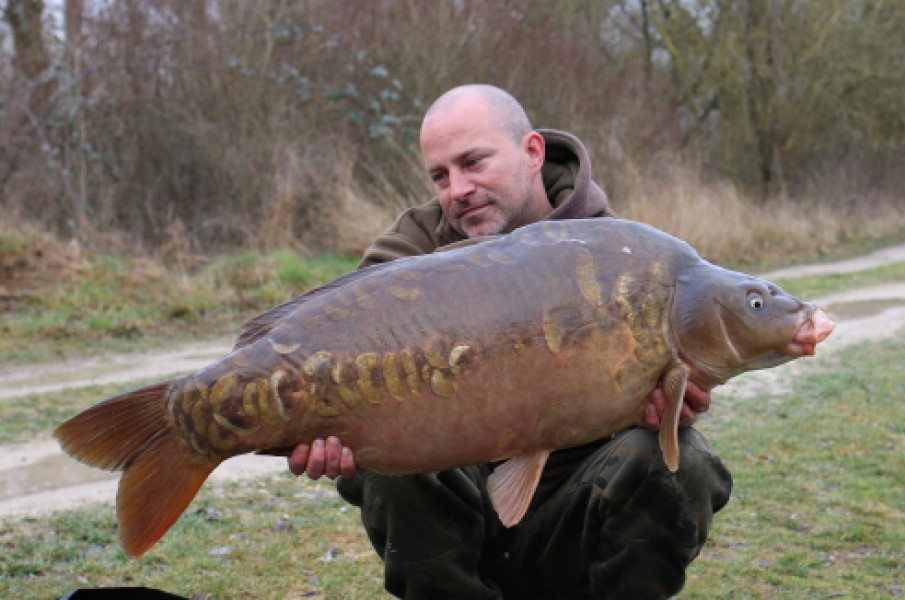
x=259, y=326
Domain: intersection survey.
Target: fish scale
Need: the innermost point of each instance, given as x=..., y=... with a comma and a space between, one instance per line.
x=502, y=348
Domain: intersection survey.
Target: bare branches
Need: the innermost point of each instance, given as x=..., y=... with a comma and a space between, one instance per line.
x=237, y=123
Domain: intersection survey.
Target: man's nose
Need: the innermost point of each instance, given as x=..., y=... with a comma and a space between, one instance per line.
x=460, y=186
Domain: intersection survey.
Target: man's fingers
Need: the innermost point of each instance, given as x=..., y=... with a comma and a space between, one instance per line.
x=652, y=417
x=696, y=398
x=323, y=457
x=298, y=460
x=316, y=460
x=347, y=465
x=332, y=451
x=687, y=417
x=654, y=410
x=658, y=398
x=695, y=401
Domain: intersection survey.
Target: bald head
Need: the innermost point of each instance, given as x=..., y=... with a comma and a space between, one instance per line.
x=485, y=161
x=502, y=107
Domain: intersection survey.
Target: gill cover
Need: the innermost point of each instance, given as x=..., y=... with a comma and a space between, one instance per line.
x=727, y=322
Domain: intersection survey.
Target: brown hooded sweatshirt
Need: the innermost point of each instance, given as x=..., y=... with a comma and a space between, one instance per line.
x=567, y=179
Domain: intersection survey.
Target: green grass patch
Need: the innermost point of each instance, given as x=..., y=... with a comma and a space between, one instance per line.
x=276, y=538
x=114, y=302
x=849, y=246
x=817, y=508
x=111, y=303
x=27, y=417
x=814, y=286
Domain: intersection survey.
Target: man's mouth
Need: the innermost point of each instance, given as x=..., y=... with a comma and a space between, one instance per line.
x=470, y=210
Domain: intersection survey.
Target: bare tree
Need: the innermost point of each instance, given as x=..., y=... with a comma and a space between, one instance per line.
x=32, y=60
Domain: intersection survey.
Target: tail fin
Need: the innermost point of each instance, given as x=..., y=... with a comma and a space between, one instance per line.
x=131, y=433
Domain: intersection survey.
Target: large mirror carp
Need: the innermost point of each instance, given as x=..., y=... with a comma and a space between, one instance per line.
x=505, y=348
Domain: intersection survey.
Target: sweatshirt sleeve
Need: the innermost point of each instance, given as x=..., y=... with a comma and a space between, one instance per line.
x=388, y=246
x=410, y=235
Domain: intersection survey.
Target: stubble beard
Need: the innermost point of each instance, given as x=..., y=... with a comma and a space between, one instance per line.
x=492, y=224
x=503, y=217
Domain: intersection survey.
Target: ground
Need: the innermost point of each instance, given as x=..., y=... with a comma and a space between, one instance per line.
x=36, y=477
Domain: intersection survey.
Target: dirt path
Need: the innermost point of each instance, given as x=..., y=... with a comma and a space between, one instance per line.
x=884, y=256
x=36, y=477
x=16, y=382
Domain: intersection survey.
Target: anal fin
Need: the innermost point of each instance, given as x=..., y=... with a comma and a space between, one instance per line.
x=513, y=483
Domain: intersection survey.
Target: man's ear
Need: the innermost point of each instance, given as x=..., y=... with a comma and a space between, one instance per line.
x=535, y=147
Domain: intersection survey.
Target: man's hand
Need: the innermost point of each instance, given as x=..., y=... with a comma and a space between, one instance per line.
x=696, y=401
x=328, y=458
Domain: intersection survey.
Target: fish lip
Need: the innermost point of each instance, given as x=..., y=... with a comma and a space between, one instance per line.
x=815, y=328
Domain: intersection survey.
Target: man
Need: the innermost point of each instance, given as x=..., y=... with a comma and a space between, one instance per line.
x=608, y=520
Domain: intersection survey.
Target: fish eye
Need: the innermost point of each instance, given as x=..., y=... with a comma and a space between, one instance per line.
x=755, y=300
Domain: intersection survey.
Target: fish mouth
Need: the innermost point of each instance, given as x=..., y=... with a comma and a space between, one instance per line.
x=813, y=331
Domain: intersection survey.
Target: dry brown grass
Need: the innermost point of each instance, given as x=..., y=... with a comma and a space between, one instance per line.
x=271, y=124
x=292, y=125
x=727, y=225
x=31, y=259
x=350, y=204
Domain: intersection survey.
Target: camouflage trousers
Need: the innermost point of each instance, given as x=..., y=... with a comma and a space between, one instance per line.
x=608, y=521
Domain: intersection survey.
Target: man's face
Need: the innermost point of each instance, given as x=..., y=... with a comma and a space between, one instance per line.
x=485, y=181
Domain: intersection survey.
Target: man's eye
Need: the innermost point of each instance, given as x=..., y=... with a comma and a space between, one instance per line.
x=473, y=162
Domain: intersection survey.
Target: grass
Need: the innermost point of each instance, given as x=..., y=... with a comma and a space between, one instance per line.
x=276, y=538
x=816, y=511
x=112, y=304
x=26, y=417
x=814, y=286
x=726, y=226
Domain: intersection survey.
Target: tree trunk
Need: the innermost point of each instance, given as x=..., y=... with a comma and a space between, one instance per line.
x=758, y=91
x=32, y=60
x=75, y=132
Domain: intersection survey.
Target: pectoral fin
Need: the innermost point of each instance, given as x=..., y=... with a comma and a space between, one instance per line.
x=674, y=387
x=512, y=485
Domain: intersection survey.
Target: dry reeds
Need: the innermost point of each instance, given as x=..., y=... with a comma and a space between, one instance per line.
x=726, y=225
x=187, y=128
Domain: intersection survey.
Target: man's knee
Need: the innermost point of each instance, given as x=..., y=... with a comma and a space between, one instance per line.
x=633, y=467
x=653, y=522
x=429, y=529
x=417, y=517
